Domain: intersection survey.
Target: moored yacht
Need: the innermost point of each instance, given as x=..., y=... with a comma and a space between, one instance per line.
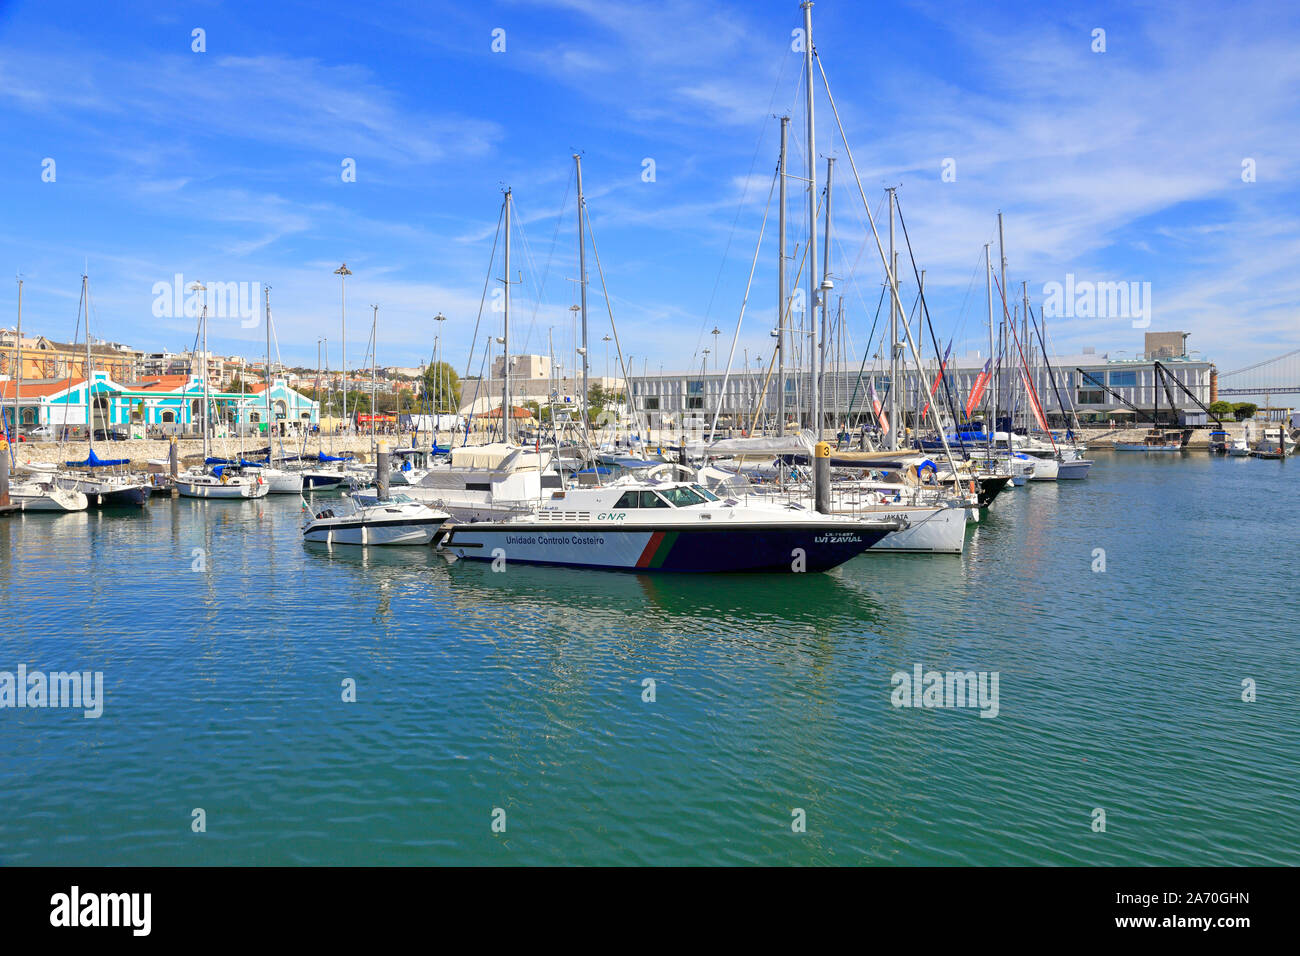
x=635, y=525
x=365, y=518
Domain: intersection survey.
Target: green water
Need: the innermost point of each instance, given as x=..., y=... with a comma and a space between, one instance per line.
x=224, y=644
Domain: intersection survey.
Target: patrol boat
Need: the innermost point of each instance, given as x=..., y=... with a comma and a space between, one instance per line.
x=645, y=525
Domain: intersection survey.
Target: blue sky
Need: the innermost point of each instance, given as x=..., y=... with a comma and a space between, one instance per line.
x=226, y=165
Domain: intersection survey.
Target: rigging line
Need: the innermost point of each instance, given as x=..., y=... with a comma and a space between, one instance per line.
x=473, y=343
x=867, y=351
x=740, y=208
x=881, y=250
x=925, y=311
x=68, y=387
x=758, y=247
x=618, y=347
x=1030, y=392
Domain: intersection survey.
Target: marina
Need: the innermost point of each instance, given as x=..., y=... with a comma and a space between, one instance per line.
x=560, y=434
x=773, y=691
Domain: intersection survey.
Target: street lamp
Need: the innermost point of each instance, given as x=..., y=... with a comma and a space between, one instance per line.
x=343, y=272
x=606, y=340
x=437, y=375
x=715, y=333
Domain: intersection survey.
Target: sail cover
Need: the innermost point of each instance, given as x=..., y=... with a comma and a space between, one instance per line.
x=94, y=461
x=796, y=444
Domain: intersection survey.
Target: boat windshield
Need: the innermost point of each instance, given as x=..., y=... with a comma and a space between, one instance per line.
x=700, y=489
x=681, y=496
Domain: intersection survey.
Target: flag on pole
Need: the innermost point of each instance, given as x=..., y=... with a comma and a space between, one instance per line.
x=977, y=390
x=938, y=378
x=876, y=407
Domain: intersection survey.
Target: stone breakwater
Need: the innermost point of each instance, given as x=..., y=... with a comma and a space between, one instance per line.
x=140, y=451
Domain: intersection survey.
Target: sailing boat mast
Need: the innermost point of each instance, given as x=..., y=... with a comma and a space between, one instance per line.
x=374, y=344
x=810, y=309
x=582, y=287
x=780, y=287
x=893, y=334
x=90, y=421
x=18, y=382
x=270, y=415
x=993, y=362
x=825, y=289
x=1002, y=256
x=505, y=336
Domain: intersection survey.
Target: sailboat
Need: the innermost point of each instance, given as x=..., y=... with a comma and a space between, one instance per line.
x=280, y=481
x=217, y=478
x=92, y=477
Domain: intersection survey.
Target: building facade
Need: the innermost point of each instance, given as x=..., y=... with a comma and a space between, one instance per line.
x=668, y=399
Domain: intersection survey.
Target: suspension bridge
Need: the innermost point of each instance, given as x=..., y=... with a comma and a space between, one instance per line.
x=1279, y=375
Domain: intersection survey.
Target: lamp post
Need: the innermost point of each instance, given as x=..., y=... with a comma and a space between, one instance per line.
x=437, y=358
x=343, y=272
x=715, y=333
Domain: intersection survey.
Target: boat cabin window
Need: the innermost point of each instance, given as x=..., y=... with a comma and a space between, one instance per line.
x=700, y=489
x=640, y=499
x=681, y=496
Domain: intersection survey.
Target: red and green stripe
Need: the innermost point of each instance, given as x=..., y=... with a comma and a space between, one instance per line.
x=656, y=549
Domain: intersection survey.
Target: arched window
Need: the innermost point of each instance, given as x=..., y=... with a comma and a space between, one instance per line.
x=168, y=417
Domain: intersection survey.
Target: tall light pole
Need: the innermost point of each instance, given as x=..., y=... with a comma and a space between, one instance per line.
x=343, y=272
x=606, y=340
x=437, y=375
x=715, y=333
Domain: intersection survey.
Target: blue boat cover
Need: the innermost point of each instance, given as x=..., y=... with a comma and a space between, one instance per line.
x=324, y=457
x=94, y=461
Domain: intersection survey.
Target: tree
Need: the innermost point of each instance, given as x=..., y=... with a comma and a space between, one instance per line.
x=441, y=387
x=1221, y=409
x=597, y=399
x=1243, y=410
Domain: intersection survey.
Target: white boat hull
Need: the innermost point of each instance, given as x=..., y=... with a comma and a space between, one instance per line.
x=930, y=531
x=216, y=490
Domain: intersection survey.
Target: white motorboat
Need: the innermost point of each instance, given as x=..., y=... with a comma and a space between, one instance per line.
x=38, y=495
x=364, y=518
x=639, y=525
x=279, y=480
x=486, y=482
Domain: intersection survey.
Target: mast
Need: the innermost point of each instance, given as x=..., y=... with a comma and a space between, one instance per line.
x=204, y=320
x=505, y=356
x=893, y=332
x=780, y=287
x=343, y=272
x=90, y=421
x=374, y=345
x=582, y=286
x=810, y=309
x=18, y=382
x=993, y=371
x=270, y=414
x=1002, y=256
x=825, y=291
x=1029, y=344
